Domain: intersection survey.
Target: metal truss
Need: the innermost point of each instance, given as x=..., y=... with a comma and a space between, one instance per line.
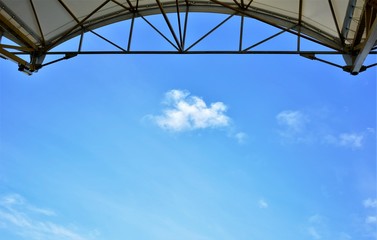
x=176, y=39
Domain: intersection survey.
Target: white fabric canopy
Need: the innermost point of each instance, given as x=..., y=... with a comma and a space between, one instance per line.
x=43, y=24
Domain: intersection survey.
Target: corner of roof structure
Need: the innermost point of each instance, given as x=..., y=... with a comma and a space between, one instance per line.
x=364, y=39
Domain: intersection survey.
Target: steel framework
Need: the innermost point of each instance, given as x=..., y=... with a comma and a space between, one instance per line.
x=354, y=52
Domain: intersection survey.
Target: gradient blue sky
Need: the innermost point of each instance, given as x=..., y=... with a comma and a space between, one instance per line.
x=187, y=147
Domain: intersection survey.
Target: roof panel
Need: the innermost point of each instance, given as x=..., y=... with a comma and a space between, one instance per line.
x=318, y=14
x=289, y=8
x=83, y=8
x=108, y=10
x=340, y=9
x=53, y=18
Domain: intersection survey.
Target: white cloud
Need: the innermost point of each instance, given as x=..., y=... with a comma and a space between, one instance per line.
x=262, y=203
x=294, y=120
x=370, y=203
x=21, y=218
x=185, y=112
x=371, y=219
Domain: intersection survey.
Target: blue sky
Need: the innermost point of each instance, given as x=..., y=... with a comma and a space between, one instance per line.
x=187, y=147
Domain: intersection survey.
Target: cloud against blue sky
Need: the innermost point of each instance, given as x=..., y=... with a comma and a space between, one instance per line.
x=185, y=112
x=370, y=203
x=294, y=121
x=352, y=140
x=88, y=169
x=297, y=126
x=372, y=215
x=262, y=203
x=31, y=222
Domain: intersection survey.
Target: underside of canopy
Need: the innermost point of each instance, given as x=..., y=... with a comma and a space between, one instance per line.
x=348, y=27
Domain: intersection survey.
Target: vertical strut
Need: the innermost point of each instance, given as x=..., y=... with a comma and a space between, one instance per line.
x=185, y=25
x=179, y=24
x=241, y=33
x=299, y=26
x=81, y=39
x=131, y=31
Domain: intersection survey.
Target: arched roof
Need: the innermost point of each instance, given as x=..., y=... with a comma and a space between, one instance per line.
x=346, y=26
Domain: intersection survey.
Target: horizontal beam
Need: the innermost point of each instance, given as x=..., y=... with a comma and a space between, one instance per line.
x=191, y=52
x=20, y=48
x=23, y=66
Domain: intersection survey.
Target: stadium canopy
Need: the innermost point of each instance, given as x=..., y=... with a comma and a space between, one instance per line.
x=35, y=27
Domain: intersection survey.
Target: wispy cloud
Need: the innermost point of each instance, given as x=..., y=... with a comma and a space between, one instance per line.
x=316, y=219
x=185, y=112
x=293, y=126
x=371, y=220
x=262, y=203
x=370, y=203
x=19, y=217
x=370, y=217
x=241, y=137
x=306, y=127
x=314, y=233
x=351, y=140
x=317, y=227
x=320, y=227
x=294, y=121
x=344, y=236
x=14, y=200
